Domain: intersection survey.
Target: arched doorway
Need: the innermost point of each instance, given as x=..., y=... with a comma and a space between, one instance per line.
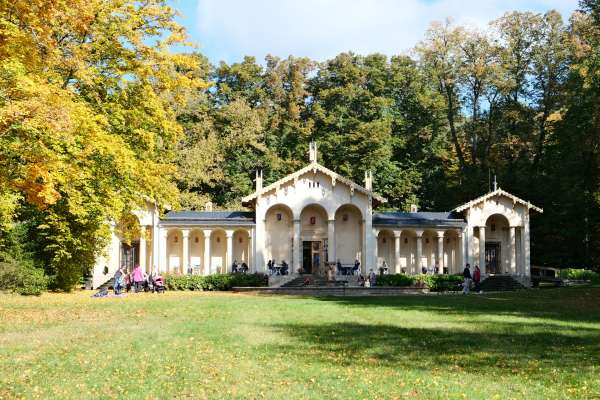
x=496, y=245
x=241, y=247
x=174, y=250
x=385, y=250
x=218, y=250
x=313, y=232
x=348, y=235
x=196, y=250
x=279, y=223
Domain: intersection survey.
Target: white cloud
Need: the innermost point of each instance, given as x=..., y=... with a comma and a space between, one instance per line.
x=320, y=29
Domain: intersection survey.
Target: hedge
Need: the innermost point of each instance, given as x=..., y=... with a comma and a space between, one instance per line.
x=435, y=283
x=217, y=282
x=580, y=275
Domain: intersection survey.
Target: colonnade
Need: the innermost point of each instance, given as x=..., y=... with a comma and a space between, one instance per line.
x=405, y=249
x=161, y=262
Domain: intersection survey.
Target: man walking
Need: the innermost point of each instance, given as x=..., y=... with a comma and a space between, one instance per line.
x=467, y=276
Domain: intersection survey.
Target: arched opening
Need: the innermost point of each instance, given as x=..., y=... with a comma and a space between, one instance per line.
x=196, y=251
x=279, y=223
x=408, y=252
x=218, y=250
x=174, y=251
x=386, y=250
x=348, y=235
x=129, y=231
x=313, y=233
x=241, y=247
x=496, y=246
x=451, y=252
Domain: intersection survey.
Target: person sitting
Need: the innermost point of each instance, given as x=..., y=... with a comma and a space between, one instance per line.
x=284, y=268
x=384, y=268
x=356, y=268
x=361, y=280
x=244, y=268
x=340, y=269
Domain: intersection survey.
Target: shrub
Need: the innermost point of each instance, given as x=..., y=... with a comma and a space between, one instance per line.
x=441, y=283
x=217, y=282
x=580, y=275
x=22, y=279
x=395, y=280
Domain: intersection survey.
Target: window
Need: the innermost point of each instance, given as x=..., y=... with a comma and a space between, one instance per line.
x=278, y=216
x=313, y=220
x=493, y=227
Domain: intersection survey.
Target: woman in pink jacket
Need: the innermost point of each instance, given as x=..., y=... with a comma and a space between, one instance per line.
x=138, y=278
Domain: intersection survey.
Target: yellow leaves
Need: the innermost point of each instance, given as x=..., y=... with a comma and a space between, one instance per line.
x=38, y=186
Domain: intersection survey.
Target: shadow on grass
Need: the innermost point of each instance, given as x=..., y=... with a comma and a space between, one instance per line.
x=503, y=350
x=567, y=305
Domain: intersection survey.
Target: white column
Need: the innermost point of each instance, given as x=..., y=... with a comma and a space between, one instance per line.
x=521, y=262
x=459, y=259
x=297, y=244
x=143, y=249
x=468, y=243
x=155, y=248
x=482, y=249
x=440, y=251
x=418, y=266
x=376, y=248
x=164, y=244
x=397, y=235
x=331, y=240
x=513, y=250
x=251, y=250
x=185, y=241
x=229, y=254
x=206, y=266
x=526, y=248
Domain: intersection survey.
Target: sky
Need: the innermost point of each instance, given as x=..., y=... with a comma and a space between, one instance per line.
x=319, y=29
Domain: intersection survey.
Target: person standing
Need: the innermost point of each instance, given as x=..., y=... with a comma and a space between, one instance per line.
x=118, y=283
x=467, y=276
x=372, y=278
x=477, y=278
x=137, y=277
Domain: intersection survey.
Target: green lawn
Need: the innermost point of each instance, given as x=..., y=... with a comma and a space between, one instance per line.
x=533, y=344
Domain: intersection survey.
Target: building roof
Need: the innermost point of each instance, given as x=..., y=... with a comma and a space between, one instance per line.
x=209, y=218
x=313, y=166
x=498, y=192
x=419, y=219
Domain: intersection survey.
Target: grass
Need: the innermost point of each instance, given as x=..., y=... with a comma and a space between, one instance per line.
x=535, y=344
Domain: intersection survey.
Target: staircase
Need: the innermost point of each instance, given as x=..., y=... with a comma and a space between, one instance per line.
x=321, y=281
x=499, y=283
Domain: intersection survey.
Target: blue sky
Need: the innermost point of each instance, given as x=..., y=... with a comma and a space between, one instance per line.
x=229, y=29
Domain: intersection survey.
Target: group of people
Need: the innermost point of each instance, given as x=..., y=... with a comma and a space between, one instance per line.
x=475, y=277
x=283, y=269
x=136, y=280
x=237, y=267
x=346, y=270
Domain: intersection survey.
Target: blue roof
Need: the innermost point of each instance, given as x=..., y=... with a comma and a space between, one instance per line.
x=209, y=217
x=431, y=219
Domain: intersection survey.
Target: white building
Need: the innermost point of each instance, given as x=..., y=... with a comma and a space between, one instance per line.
x=314, y=217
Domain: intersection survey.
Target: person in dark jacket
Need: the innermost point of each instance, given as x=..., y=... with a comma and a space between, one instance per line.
x=467, y=276
x=477, y=278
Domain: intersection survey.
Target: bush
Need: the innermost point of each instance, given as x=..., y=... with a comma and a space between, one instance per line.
x=395, y=280
x=217, y=282
x=23, y=279
x=580, y=275
x=435, y=283
x=441, y=283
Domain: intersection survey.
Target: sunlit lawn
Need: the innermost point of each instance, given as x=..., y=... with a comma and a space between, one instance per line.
x=533, y=344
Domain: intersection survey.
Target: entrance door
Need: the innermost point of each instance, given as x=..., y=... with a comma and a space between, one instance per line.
x=307, y=257
x=492, y=258
x=130, y=255
x=312, y=256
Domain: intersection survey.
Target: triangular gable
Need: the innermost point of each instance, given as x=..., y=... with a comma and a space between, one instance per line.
x=498, y=192
x=313, y=167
